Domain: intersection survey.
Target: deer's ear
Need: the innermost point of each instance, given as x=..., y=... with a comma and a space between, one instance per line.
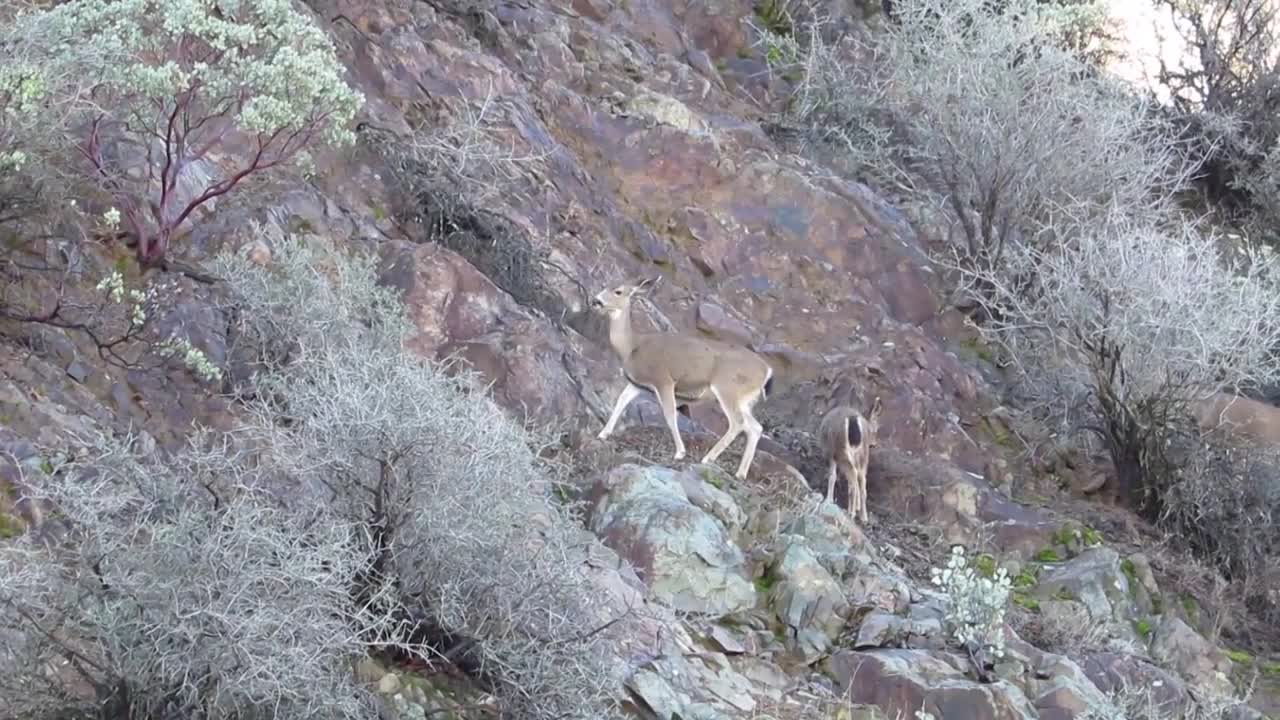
x=647, y=284
x=876, y=407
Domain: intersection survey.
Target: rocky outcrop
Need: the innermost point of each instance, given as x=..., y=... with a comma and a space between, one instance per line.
x=1175, y=645
x=684, y=553
x=807, y=599
x=648, y=159
x=901, y=682
x=1095, y=579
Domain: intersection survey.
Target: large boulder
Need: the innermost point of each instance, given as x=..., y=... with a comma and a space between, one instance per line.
x=807, y=599
x=1094, y=578
x=684, y=553
x=901, y=682
x=1115, y=672
x=1174, y=644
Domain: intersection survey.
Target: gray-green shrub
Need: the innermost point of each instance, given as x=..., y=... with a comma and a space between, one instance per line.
x=458, y=507
x=178, y=588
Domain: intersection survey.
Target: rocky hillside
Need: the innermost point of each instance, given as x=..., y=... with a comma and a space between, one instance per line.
x=630, y=138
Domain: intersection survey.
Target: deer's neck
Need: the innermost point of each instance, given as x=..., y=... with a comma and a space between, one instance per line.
x=620, y=334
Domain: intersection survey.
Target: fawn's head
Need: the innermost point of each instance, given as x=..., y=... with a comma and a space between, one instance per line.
x=617, y=300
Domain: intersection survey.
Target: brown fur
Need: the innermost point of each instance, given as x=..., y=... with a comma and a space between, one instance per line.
x=835, y=435
x=680, y=369
x=1252, y=419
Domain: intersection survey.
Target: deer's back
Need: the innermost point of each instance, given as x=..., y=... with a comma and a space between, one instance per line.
x=693, y=362
x=1240, y=415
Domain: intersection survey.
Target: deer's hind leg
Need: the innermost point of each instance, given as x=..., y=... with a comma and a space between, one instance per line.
x=858, y=482
x=735, y=427
x=753, y=429
x=831, y=481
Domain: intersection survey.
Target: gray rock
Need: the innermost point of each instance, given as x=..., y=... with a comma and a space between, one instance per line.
x=881, y=629
x=807, y=600
x=1175, y=645
x=1113, y=672
x=684, y=554
x=900, y=682
x=728, y=640
x=877, y=589
x=830, y=534
x=1060, y=688
x=78, y=371
x=1094, y=578
x=676, y=686
x=700, y=486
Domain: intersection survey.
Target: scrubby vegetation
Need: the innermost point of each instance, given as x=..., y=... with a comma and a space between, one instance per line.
x=457, y=509
x=143, y=100
x=1061, y=191
x=371, y=501
x=1227, y=91
x=976, y=605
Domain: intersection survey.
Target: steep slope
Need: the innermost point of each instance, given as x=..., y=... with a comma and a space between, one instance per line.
x=633, y=146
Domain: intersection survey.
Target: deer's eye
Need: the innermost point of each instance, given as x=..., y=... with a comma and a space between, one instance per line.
x=617, y=292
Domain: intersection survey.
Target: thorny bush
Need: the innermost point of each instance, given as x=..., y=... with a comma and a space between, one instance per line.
x=456, y=503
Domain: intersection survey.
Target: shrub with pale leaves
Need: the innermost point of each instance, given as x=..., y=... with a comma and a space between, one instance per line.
x=140, y=307
x=976, y=604
x=148, y=93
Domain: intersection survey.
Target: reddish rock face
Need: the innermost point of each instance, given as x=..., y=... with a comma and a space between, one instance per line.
x=652, y=168
x=458, y=312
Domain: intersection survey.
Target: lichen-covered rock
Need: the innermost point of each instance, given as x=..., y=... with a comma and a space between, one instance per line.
x=1094, y=578
x=807, y=600
x=831, y=535
x=901, y=682
x=684, y=554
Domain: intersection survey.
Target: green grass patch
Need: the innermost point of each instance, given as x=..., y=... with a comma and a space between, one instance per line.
x=1239, y=656
x=1131, y=572
x=1143, y=628
x=1048, y=555
x=1091, y=537
x=773, y=16
x=978, y=349
x=1190, y=607
x=1027, y=577
x=985, y=564
x=1026, y=601
x=765, y=582
x=999, y=435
